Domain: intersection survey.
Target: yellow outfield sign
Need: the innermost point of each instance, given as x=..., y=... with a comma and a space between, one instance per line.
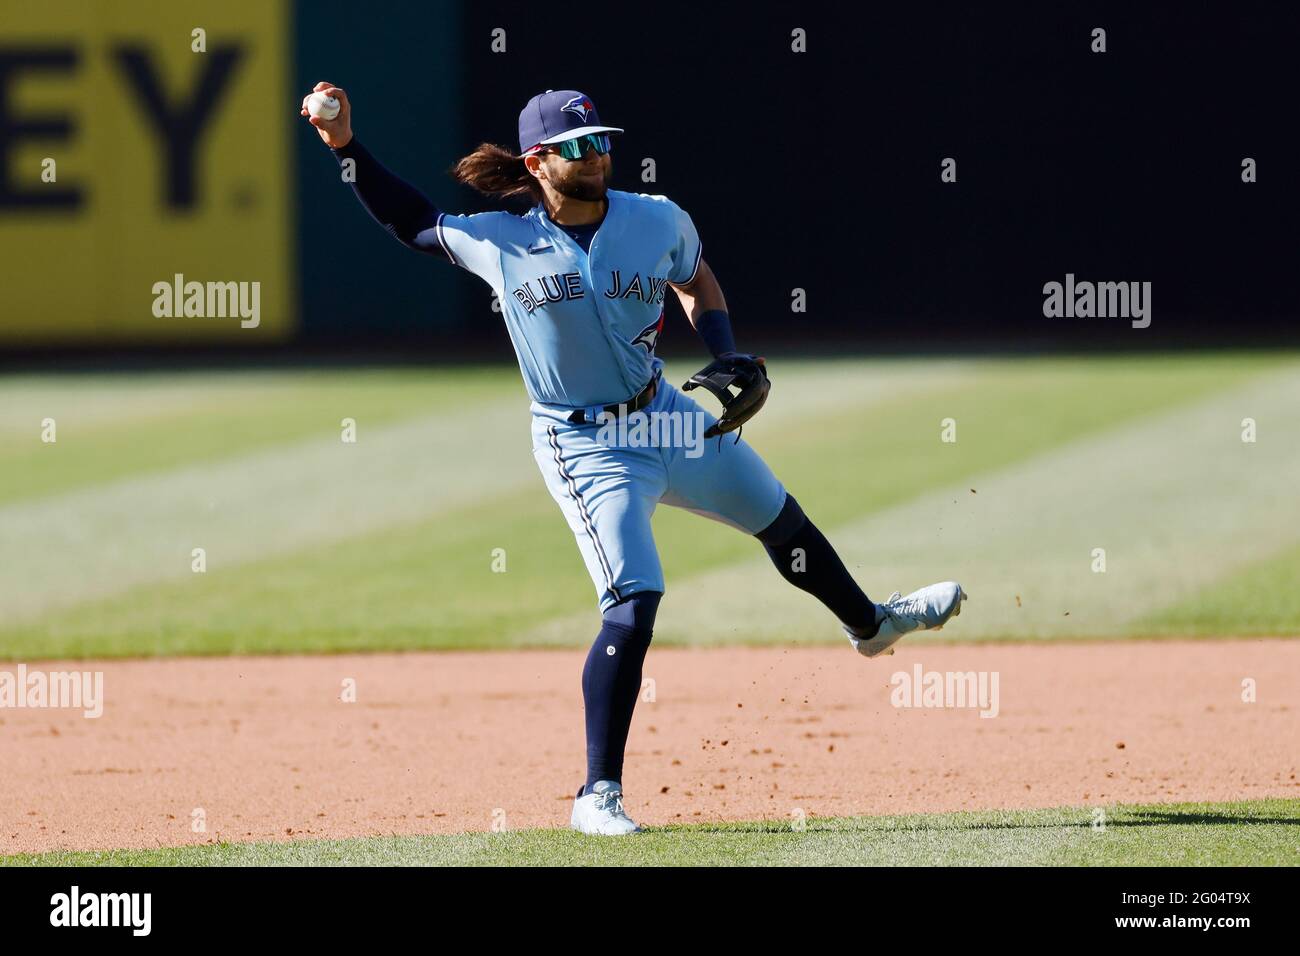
x=145, y=147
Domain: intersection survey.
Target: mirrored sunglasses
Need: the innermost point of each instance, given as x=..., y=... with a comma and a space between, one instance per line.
x=574, y=149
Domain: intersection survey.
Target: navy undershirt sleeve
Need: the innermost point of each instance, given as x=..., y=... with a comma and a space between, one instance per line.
x=714, y=327
x=404, y=211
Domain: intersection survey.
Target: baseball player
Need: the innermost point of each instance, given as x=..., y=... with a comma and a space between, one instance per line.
x=581, y=278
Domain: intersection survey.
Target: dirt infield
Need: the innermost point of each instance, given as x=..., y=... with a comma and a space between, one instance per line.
x=437, y=743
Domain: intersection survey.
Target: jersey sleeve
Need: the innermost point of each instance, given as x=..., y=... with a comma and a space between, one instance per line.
x=473, y=243
x=687, y=251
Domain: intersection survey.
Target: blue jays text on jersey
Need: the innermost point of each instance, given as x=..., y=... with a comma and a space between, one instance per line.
x=558, y=288
x=584, y=324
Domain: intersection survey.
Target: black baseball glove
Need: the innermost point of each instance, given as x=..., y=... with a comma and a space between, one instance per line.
x=746, y=374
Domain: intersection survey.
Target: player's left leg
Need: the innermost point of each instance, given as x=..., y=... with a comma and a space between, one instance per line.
x=806, y=559
x=803, y=556
x=729, y=482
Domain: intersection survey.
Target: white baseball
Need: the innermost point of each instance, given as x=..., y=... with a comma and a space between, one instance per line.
x=322, y=106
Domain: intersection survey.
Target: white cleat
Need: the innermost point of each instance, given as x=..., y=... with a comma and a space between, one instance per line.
x=928, y=609
x=600, y=813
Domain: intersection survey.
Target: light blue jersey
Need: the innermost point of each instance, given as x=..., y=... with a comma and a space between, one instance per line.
x=584, y=326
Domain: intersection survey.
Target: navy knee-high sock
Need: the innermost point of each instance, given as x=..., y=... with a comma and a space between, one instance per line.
x=806, y=559
x=611, y=682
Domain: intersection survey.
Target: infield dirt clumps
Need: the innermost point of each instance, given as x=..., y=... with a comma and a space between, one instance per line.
x=266, y=748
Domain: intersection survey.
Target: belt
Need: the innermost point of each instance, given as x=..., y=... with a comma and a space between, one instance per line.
x=634, y=404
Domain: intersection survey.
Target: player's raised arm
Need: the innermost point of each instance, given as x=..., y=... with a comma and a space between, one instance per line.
x=395, y=204
x=335, y=128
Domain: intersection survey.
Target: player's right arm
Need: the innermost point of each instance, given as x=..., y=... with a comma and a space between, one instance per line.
x=404, y=211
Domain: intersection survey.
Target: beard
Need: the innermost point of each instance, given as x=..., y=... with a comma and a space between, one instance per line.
x=586, y=188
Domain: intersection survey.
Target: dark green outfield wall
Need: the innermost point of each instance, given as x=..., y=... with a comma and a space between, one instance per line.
x=820, y=171
x=404, y=76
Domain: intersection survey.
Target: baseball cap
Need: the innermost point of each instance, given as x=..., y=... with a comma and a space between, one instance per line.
x=555, y=116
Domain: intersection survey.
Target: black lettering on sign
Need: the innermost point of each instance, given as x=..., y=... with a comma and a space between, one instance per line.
x=13, y=129
x=180, y=122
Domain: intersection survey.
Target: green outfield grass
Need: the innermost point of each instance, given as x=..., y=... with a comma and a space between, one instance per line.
x=1248, y=833
x=317, y=545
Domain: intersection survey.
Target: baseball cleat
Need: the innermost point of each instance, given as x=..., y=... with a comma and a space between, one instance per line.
x=600, y=813
x=928, y=609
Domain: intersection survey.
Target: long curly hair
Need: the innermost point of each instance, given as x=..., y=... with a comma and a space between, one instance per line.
x=496, y=171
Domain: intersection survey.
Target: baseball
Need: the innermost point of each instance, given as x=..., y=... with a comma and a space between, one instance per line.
x=320, y=105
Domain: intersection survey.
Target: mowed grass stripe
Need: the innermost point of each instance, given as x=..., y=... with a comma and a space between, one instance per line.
x=1245, y=833
x=1262, y=599
x=1177, y=501
x=116, y=427
x=429, y=583
x=417, y=586
x=100, y=542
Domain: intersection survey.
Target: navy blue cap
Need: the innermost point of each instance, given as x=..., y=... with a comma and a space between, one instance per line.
x=555, y=116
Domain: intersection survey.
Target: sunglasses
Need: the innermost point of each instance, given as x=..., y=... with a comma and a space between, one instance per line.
x=575, y=149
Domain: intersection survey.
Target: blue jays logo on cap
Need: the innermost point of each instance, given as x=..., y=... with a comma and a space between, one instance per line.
x=555, y=116
x=579, y=106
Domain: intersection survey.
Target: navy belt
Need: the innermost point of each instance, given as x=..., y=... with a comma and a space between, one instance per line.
x=637, y=402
